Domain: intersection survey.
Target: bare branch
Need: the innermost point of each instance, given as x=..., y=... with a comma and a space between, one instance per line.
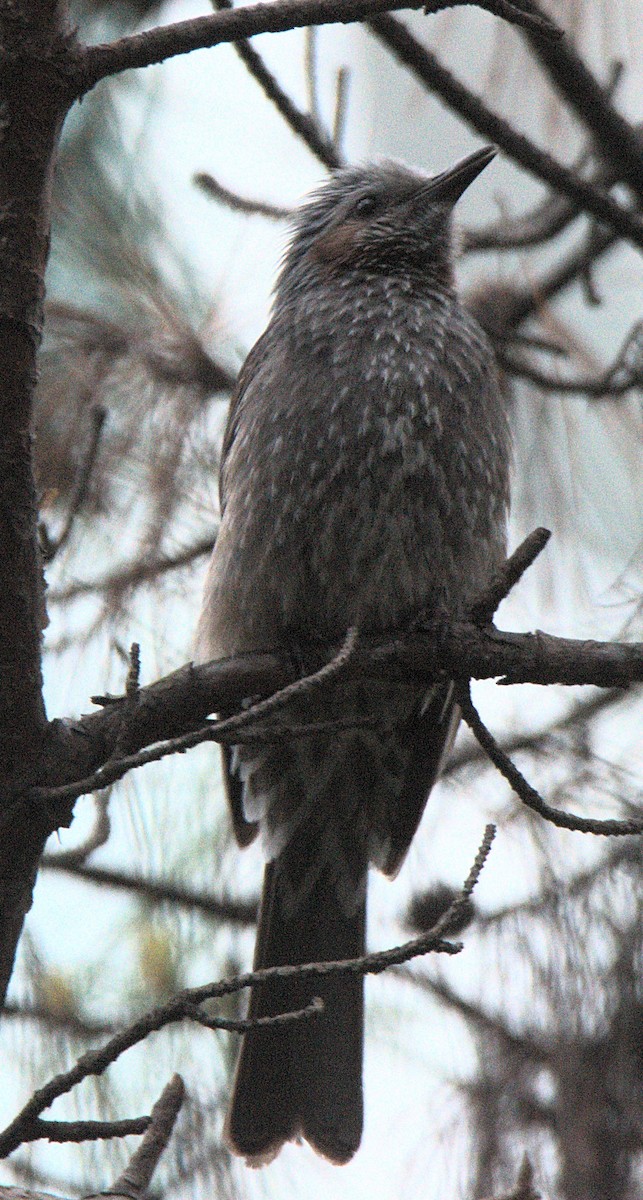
x=579, y=714
x=341, y=105
x=143, y=570
x=310, y=68
x=237, y=203
x=524, y=790
x=501, y=309
x=182, y=1006
x=305, y=125
x=426, y=67
x=545, y=221
x=507, y=577
x=625, y=373
x=136, y=1177
x=620, y=144
x=458, y=650
x=157, y=45
x=97, y=836
x=310, y=1012
x=181, y=700
x=241, y=913
x=82, y=1131
x=227, y=730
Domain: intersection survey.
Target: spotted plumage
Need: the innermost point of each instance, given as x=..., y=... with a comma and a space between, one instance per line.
x=364, y=483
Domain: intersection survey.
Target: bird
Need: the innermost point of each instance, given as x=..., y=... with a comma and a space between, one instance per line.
x=364, y=486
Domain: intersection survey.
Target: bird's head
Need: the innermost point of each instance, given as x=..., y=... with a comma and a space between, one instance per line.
x=381, y=217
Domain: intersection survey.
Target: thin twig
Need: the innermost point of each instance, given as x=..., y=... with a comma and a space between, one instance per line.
x=524, y=790
x=543, y=222
x=310, y=70
x=237, y=203
x=294, y=691
x=601, y=387
x=340, y=116
x=181, y=1007
x=310, y=1012
x=128, y=707
x=98, y=836
x=159, y=891
x=115, y=769
x=133, y=574
x=96, y=1062
x=504, y=309
x=482, y=612
x=625, y=373
x=471, y=881
x=305, y=125
x=227, y=730
x=83, y=1131
x=620, y=144
x=534, y=741
x=135, y=1179
x=133, y=681
x=458, y=649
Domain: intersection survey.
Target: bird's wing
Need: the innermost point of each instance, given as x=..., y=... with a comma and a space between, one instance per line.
x=429, y=735
x=246, y=375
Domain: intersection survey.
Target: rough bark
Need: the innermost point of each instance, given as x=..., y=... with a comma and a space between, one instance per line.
x=33, y=101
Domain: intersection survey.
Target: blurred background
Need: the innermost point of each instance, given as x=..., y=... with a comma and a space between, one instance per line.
x=172, y=194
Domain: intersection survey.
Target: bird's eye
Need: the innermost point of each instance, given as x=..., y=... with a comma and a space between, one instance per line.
x=366, y=206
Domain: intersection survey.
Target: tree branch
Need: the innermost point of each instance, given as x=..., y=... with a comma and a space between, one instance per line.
x=183, y=1006
x=543, y=222
x=620, y=144
x=237, y=911
x=502, y=309
x=136, y=1178
x=525, y=791
x=625, y=373
x=537, y=740
x=426, y=67
x=514, y=567
x=459, y=650
x=305, y=125
x=237, y=203
x=83, y=1131
x=52, y=546
x=157, y=45
x=145, y=570
x=183, y=699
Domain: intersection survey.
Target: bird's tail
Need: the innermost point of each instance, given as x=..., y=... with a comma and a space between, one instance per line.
x=303, y=1079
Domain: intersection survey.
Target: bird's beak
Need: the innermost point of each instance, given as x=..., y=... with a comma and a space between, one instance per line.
x=449, y=186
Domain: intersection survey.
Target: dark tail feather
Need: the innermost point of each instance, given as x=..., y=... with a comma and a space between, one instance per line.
x=302, y=1080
